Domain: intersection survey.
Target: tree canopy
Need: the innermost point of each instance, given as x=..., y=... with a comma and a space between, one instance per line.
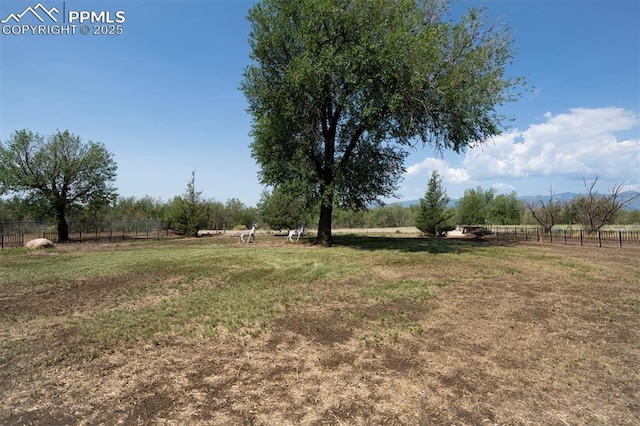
x=434, y=211
x=188, y=213
x=57, y=171
x=505, y=209
x=473, y=207
x=282, y=210
x=340, y=90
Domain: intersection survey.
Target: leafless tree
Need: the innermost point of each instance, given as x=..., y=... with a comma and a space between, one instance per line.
x=546, y=212
x=594, y=210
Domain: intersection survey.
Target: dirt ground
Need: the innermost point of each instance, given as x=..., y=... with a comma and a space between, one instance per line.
x=525, y=350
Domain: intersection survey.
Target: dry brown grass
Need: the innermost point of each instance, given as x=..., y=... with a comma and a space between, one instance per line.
x=419, y=332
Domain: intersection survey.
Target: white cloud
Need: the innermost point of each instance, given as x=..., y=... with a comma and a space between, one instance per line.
x=559, y=152
x=579, y=143
x=503, y=188
x=448, y=174
x=635, y=187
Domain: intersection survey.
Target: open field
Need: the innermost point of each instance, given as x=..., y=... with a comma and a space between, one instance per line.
x=377, y=330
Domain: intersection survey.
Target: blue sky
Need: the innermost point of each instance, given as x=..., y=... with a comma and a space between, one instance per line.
x=163, y=97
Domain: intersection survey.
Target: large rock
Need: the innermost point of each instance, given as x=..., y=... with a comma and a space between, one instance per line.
x=39, y=243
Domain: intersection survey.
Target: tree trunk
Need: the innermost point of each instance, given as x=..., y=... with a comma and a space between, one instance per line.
x=63, y=228
x=327, y=181
x=324, y=225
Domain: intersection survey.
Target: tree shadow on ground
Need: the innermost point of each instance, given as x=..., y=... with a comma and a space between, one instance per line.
x=408, y=244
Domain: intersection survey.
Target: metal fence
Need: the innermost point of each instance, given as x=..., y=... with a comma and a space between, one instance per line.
x=16, y=234
x=604, y=238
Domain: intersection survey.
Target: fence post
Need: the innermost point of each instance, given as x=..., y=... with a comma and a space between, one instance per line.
x=538, y=234
x=620, y=236
x=550, y=236
x=581, y=244
x=565, y=236
x=599, y=239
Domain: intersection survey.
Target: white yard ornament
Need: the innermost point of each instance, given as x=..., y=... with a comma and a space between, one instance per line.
x=294, y=232
x=248, y=233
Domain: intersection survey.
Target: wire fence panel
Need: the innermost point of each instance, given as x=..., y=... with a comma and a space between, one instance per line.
x=602, y=238
x=16, y=234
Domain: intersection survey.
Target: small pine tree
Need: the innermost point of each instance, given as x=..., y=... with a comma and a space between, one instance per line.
x=189, y=213
x=434, y=212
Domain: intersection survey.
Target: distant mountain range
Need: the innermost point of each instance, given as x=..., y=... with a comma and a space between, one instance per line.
x=563, y=196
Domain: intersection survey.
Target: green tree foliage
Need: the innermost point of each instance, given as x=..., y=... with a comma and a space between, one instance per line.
x=505, y=209
x=217, y=215
x=628, y=217
x=25, y=208
x=132, y=208
x=188, y=213
x=390, y=216
x=433, y=211
x=340, y=89
x=281, y=210
x=240, y=215
x=59, y=172
x=349, y=218
x=11, y=209
x=473, y=207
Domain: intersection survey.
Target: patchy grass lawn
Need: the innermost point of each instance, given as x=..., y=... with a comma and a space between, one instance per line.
x=376, y=330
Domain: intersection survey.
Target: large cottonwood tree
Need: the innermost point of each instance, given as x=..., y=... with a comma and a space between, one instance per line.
x=339, y=90
x=59, y=170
